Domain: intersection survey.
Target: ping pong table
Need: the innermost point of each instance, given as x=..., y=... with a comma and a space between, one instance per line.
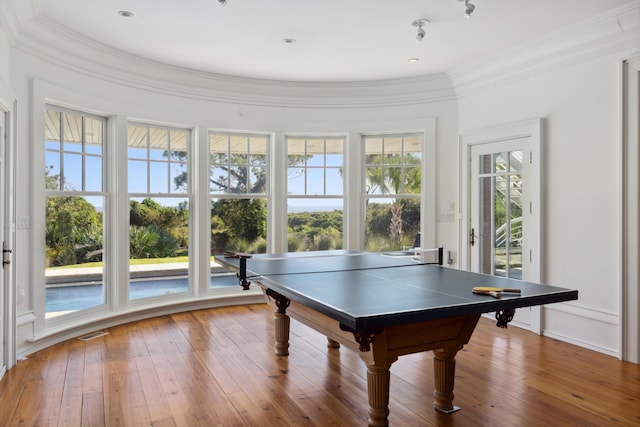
x=384, y=307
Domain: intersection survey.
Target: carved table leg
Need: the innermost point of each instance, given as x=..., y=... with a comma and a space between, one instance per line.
x=444, y=367
x=378, y=379
x=282, y=322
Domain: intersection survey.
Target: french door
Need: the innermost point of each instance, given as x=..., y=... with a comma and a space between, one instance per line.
x=501, y=235
x=498, y=207
x=5, y=250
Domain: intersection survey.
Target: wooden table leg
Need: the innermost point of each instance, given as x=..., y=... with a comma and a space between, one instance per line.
x=332, y=343
x=282, y=324
x=378, y=380
x=444, y=368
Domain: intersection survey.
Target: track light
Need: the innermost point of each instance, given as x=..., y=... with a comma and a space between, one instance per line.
x=469, y=8
x=419, y=23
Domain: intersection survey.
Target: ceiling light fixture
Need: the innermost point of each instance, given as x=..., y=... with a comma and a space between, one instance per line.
x=469, y=8
x=222, y=2
x=419, y=23
x=125, y=14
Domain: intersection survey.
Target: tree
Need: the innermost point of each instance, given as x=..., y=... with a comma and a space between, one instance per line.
x=243, y=218
x=73, y=230
x=400, y=174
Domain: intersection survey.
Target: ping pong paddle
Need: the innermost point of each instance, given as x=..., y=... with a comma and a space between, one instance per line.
x=493, y=291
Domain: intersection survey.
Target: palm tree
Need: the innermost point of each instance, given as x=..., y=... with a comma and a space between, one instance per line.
x=398, y=175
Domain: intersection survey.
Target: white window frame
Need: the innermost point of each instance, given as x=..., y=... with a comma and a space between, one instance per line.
x=53, y=322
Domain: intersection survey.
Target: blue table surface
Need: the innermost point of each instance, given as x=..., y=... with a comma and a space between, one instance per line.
x=367, y=290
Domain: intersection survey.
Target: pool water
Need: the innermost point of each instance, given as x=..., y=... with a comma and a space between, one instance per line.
x=79, y=297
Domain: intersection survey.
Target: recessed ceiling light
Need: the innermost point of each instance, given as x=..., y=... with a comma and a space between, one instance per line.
x=289, y=40
x=125, y=14
x=412, y=60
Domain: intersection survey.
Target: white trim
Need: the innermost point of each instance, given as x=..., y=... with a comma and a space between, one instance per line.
x=630, y=230
x=8, y=104
x=614, y=31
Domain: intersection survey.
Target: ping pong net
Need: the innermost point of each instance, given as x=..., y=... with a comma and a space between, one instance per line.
x=427, y=256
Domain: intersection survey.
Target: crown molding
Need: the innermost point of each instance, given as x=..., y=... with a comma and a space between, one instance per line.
x=62, y=47
x=16, y=14
x=611, y=33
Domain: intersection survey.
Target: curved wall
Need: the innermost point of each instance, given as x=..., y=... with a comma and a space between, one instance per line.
x=47, y=68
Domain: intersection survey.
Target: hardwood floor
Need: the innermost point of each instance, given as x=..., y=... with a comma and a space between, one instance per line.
x=217, y=367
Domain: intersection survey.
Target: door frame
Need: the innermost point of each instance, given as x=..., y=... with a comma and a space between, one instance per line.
x=630, y=230
x=532, y=129
x=8, y=105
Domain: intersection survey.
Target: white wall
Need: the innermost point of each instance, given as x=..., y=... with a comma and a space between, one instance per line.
x=201, y=103
x=580, y=106
x=577, y=94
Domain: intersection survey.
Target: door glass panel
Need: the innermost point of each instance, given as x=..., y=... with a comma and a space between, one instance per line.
x=500, y=214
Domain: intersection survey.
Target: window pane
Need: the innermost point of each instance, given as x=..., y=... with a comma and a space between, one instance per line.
x=374, y=180
x=72, y=132
x=239, y=145
x=238, y=163
x=334, y=159
x=137, y=153
x=137, y=136
x=137, y=176
x=93, y=177
x=52, y=170
x=334, y=181
x=315, y=224
x=239, y=225
x=93, y=135
x=239, y=159
x=159, y=154
x=159, y=178
x=52, y=129
x=500, y=160
x=258, y=150
x=178, y=182
x=219, y=147
x=74, y=236
x=179, y=140
x=515, y=161
x=413, y=180
x=296, y=181
x=258, y=180
x=158, y=143
x=238, y=180
x=400, y=158
x=485, y=163
x=372, y=150
x=393, y=180
x=315, y=160
x=73, y=172
x=315, y=182
x=219, y=180
x=73, y=147
x=158, y=233
x=391, y=224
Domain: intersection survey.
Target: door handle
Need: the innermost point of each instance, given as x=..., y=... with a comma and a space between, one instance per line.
x=472, y=237
x=6, y=260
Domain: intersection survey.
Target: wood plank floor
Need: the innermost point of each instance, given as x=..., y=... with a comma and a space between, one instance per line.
x=217, y=367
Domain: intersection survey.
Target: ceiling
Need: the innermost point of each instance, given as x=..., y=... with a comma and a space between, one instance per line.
x=335, y=40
